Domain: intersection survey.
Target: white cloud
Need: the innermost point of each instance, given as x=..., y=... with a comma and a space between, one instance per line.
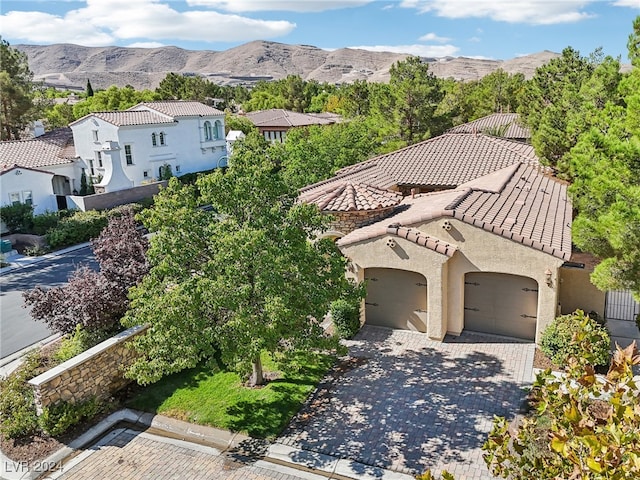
x=475, y=39
x=418, y=50
x=627, y=3
x=104, y=22
x=238, y=6
x=537, y=12
x=432, y=37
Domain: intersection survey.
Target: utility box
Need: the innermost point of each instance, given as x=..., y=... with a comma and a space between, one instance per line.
x=5, y=246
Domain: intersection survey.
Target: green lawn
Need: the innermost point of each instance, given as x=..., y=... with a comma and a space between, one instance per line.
x=209, y=395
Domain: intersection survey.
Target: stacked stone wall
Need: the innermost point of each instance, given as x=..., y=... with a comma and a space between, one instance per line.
x=346, y=222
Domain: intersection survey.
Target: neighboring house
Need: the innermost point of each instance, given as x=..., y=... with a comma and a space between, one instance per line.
x=124, y=149
x=232, y=137
x=40, y=171
x=505, y=125
x=276, y=122
x=462, y=231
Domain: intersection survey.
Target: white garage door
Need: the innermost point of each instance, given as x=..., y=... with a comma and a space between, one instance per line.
x=501, y=304
x=396, y=299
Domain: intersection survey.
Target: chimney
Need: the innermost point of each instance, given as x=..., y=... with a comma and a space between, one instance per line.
x=414, y=192
x=37, y=129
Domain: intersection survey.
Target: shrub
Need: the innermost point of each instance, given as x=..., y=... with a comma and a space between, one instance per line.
x=17, y=217
x=78, y=342
x=346, y=317
x=79, y=228
x=576, y=335
x=58, y=418
x=44, y=222
x=18, y=417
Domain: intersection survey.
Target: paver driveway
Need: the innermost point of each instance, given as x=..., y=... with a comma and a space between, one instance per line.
x=406, y=403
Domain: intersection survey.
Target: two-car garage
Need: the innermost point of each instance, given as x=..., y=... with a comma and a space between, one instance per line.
x=495, y=303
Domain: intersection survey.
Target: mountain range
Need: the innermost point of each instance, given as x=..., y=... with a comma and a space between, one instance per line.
x=69, y=66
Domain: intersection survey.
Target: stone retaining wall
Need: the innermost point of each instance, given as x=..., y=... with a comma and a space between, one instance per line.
x=98, y=372
x=101, y=201
x=347, y=222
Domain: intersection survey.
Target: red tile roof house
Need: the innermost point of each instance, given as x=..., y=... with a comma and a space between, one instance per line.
x=462, y=231
x=276, y=122
x=39, y=171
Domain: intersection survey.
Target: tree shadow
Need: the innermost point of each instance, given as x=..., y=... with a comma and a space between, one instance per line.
x=409, y=404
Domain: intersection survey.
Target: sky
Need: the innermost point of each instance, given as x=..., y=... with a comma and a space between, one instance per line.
x=493, y=29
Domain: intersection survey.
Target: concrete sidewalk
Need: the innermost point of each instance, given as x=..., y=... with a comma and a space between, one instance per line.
x=17, y=261
x=135, y=445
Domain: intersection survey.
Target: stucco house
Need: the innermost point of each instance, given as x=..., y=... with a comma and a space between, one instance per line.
x=276, y=122
x=462, y=231
x=124, y=149
x=41, y=171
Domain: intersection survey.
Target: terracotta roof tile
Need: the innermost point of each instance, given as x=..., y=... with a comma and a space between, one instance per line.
x=52, y=148
x=277, y=117
x=179, y=108
x=531, y=208
x=421, y=238
x=441, y=162
x=505, y=125
x=131, y=117
x=346, y=196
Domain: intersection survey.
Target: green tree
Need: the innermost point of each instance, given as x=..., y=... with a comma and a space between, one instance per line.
x=606, y=191
x=17, y=107
x=113, y=98
x=315, y=153
x=60, y=115
x=416, y=96
x=89, y=90
x=238, y=122
x=247, y=279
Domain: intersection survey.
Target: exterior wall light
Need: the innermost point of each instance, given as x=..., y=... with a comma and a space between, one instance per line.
x=548, y=274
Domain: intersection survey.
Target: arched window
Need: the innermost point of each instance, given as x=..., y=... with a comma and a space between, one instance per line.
x=218, y=129
x=208, y=132
x=162, y=138
x=154, y=139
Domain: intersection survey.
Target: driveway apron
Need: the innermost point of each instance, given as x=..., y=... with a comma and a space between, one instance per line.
x=403, y=402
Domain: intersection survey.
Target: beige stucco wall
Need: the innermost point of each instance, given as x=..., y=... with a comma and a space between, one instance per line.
x=478, y=251
x=577, y=292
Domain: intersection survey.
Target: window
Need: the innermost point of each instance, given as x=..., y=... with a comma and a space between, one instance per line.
x=218, y=129
x=91, y=169
x=14, y=198
x=128, y=155
x=99, y=159
x=177, y=168
x=95, y=136
x=27, y=197
x=163, y=138
x=154, y=139
x=208, y=131
x=145, y=174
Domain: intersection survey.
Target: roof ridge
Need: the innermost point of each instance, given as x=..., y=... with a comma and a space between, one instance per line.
x=501, y=140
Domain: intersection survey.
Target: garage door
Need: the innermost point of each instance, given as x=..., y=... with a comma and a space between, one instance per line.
x=501, y=304
x=396, y=299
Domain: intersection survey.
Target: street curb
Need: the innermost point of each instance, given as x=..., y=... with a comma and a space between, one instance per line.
x=25, y=261
x=278, y=457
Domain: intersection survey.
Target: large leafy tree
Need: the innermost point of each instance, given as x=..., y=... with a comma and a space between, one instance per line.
x=113, y=98
x=606, y=190
x=17, y=107
x=96, y=299
x=246, y=278
x=315, y=153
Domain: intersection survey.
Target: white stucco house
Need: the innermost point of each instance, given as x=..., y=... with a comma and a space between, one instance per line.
x=41, y=171
x=124, y=149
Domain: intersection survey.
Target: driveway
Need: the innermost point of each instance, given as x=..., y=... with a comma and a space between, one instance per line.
x=405, y=403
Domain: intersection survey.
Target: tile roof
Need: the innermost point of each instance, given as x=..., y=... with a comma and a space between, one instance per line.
x=52, y=148
x=15, y=167
x=421, y=238
x=347, y=197
x=520, y=203
x=130, y=117
x=440, y=162
x=495, y=123
x=179, y=108
x=277, y=117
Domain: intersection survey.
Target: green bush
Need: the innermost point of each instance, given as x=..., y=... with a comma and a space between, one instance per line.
x=44, y=222
x=17, y=217
x=58, y=418
x=346, y=317
x=579, y=336
x=80, y=341
x=18, y=417
x=80, y=227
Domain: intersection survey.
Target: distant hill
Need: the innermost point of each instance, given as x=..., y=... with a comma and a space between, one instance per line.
x=66, y=65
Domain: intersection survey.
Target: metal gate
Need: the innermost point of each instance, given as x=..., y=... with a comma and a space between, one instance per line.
x=620, y=305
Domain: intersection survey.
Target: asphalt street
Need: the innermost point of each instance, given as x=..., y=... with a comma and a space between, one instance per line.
x=17, y=328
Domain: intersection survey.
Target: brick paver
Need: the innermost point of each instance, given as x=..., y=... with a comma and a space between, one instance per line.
x=131, y=455
x=406, y=403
